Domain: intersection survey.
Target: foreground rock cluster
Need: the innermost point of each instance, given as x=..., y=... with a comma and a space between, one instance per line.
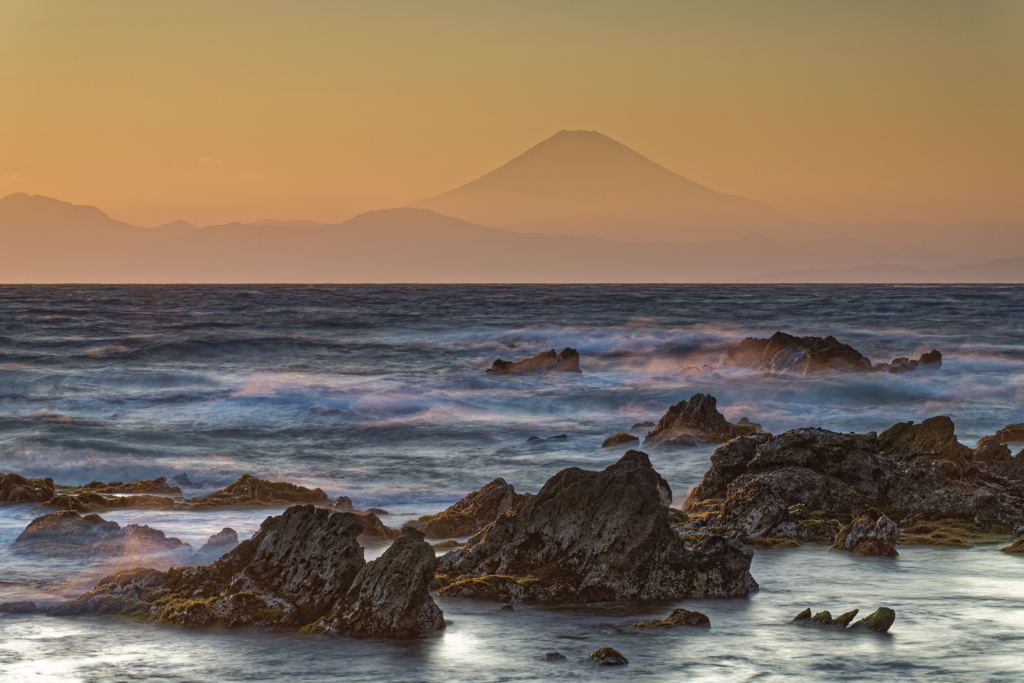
x=809, y=355
x=913, y=483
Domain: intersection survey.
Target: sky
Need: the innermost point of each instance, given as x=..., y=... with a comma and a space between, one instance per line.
x=215, y=110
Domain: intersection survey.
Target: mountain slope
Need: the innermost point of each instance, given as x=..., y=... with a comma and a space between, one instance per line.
x=585, y=183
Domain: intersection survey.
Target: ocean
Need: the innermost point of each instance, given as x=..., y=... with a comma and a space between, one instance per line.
x=378, y=393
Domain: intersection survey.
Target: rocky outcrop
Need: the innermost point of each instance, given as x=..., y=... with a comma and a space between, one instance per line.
x=15, y=488
x=374, y=528
x=809, y=355
x=390, y=597
x=693, y=421
x=549, y=361
x=1015, y=548
x=21, y=607
x=94, y=502
x=343, y=503
x=249, y=490
x=221, y=542
x=158, y=486
x=619, y=439
x=679, y=617
x=870, y=533
x=67, y=533
x=791, y=484
x=594, y=536
x=879, y=621
x=472, y=513
x=606, y=656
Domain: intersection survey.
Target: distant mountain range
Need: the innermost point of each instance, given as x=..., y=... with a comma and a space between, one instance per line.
x=559, y=197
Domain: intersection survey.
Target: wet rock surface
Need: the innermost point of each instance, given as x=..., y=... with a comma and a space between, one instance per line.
x=809, y=355
x=15, y=488
x=619, y=439
x=549, y=361
x=804, y=482
x=593, y=536
x=472, y=513
x=20, y=607
x=693, y=421
x=678, y=617
x=66, y=533
x=218, y=544
x=606, y=656
x=250, y=490
x=158, y=486
x=879, y=621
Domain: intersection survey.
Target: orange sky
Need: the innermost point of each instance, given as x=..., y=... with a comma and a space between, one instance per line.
x=214, y=111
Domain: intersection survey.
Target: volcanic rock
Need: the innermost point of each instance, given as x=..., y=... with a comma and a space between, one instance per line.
x=549, y=361
x=67, y=533
x=871, y=533
x=679, y=617
x=15, y=488
x=248, y=490
x=218, y=544
x=472, y=513
x=619, y=439
x=390, y=597
x=594, y=536
x=695, y=420
x=606, y=656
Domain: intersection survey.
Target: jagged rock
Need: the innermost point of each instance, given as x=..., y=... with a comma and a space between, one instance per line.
x=549, y=361
x=221, y=542
x=15, y=488
x=595, y=536
x=373, y=527
x=871, y=533
x=248, y=490
x=344, y=503
x=298, y=567
x=679, y=617
x=158, y=486
x=554, y=657
x=472, y=513
x=911, y=473
x=67, y=533
x=619, y=439
x=94, y=502
x=606, y=656
x=1015, y=548
x=22, y=607
x=804, y=355
x=693, y=421
x=390, y=597
x=879, y=621
x=182, y=479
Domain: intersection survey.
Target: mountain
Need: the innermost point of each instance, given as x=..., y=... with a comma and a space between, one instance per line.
x=1006, y=270
x=585, y=183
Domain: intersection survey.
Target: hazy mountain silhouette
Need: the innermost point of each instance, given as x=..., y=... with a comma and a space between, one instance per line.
x=585, y=183
x=1008, y=270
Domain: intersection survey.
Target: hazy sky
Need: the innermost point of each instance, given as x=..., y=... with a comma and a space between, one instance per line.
x=212, y=110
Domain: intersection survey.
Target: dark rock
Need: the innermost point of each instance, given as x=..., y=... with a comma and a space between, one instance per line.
x=390, y=597
x=606, y=656
x=22, y=607
x=218, y=544
x=249, y=490
x=804, y=355
x=871, y=533
x=534, y=438
x=450, y=543
x=879, y=621
x=472, y=513
x=679, y=617
x=15, y=488
x=67, y=533
x=373, y=527
x=931, y=359
x=549, y=361
x=695, y=420
x=558, y=437
x=646, y=424
x=1015, y=548
x=181, y=479
x=378, y=511
x=344, y=503
x=554, y=657
x=158, y=486
x=94, y=502
x=802, y=617
x=619, y=439
x=507, y=606
x=595, y=536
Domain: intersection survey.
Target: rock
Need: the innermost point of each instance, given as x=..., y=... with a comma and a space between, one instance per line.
x=390, y=597
x=595, y=536
x=558, y=437
x=554, y=657
x=1015, y=548
x=679, y=617
x=158, y=486
x=22, y=607
x=378, y=511
x=298, y=567
x=606, y=656
x=932, y=359
x=181, y=479
x=94, y=502
x=879, y=621
x=534, y=438
x=646, y=424
x=15, y=488
x=373, y=527
x=248, y=490
x=344, y=503
x=472, y=513
x=619, y=439
x=744, y=422
x=450, y=543
x=802, y=617
x=695, y=420
x=67, y=533
x=871, y=533
x=218, y=544
x=508, y=606
x=803, y=355
x=549, y=361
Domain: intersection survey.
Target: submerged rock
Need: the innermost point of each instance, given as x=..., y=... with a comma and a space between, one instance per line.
x=472, y=513
x=809, y=355
x=554, y=657
x=67, y=533
x=619, y=439
x=15, y=488
x=549, y=361
x=249, y=490
x=390, y=597
x=594, y=536
x=221, y=542
x=606, y=656
x=22, y=607
x=679, y=617
x=880, y=620
x=694, y=421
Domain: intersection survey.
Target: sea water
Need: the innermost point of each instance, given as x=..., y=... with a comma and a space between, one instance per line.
x=379, y=393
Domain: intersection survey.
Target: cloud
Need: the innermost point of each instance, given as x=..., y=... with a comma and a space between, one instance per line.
x=210, y=161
